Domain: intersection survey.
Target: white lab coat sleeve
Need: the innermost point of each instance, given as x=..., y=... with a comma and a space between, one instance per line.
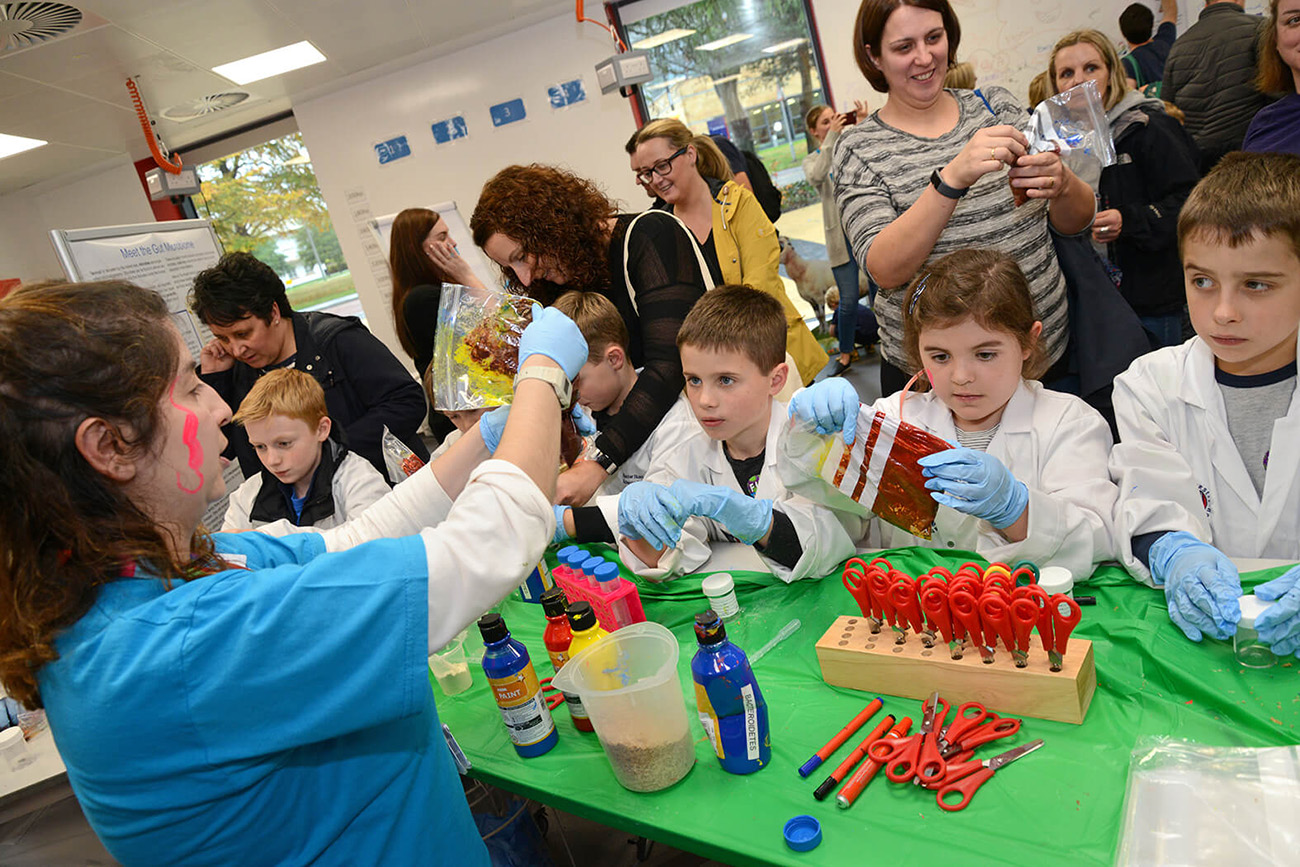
x=1072, y=501
x=1156, y=488
x=357, y=487
x=825, y=540
x=416, y=503
x=240, y=503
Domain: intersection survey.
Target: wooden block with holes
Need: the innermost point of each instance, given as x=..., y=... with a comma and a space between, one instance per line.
x=850, y=655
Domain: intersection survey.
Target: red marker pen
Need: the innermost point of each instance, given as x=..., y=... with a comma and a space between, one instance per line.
x=850, y=791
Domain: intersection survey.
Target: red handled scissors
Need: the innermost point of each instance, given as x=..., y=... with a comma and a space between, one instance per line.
x=880, y=585
x=965, y=611
x=1055, y=624
x=1024, y=616
x=992, y=729
x=855, y=581
x=902, y=593
x=995, y=615
x=965, y=779
x=962, y=724
x=934, y=601
x=916, y=755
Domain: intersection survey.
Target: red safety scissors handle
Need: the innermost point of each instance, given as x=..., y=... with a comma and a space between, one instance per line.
x=995, y=614
x=1024, y=616
x=934, y=601
x=965, y=610
x=963, y=723
x=1024, y=572
x=880, y=596
x=552, y=696
x=855, y=581
x=994, y=729
x=966, y=779
x=1039, y=597
x=902, y=593
x=1064, y=616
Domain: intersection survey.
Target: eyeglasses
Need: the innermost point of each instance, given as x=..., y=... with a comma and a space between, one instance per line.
x=661, y=168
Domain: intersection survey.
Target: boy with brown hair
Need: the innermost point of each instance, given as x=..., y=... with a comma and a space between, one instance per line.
x=307, y=479
x=1208, y=463
x=601, y=386
x=720, y=481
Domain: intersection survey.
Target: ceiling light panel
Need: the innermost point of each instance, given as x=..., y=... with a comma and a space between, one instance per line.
x=270, y=63
x=16, y=144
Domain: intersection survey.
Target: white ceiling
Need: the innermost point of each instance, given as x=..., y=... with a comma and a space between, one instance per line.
x=71, y=91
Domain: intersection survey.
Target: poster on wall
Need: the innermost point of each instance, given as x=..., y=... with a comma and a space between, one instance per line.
x=449, y=130
x=510, y=111
x=164, y=257
x=566, y=93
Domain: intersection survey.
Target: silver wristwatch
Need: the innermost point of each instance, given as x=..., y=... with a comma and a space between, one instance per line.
x=552, y=376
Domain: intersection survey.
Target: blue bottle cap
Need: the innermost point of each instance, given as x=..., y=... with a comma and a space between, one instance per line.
x=564, y=552
x=606, y=571
x=590, y=565
x=803, y=833
x=576, y=558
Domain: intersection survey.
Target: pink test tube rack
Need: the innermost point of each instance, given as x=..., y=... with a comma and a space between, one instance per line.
x=576, y=588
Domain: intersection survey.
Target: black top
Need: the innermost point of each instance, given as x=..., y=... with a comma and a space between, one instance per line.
x=1255, y=380
x=1146, y=63
x=272, y=501
x=710, y=251
x=734, y=157
x=420, y=310
x=666, y=283
x=747, y=471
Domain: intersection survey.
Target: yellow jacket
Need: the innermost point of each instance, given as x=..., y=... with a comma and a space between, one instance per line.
x=749, y=253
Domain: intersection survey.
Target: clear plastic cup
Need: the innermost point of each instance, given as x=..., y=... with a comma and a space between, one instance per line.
x=1246, y=646
x=628, y=683
x=450, y=667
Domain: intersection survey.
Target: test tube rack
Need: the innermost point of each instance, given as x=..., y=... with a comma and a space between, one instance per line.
x=852, y=656
x=602, y=603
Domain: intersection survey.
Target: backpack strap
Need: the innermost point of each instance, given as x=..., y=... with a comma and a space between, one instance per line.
x=627, y=239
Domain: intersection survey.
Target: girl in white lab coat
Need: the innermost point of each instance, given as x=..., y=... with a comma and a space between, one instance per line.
x=1027, y=478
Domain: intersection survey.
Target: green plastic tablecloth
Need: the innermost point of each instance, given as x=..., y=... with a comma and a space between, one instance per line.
x=1061, y=804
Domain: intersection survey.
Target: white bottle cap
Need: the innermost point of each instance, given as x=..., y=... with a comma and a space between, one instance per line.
x=10, y=737
x=720, y=590
x=718, y=584
x=1056, y=579
x=1251, y=607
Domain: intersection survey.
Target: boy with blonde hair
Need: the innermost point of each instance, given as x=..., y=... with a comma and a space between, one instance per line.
x=603, y=384
x=1208, y=463
x=307, y=480
x=720, y=481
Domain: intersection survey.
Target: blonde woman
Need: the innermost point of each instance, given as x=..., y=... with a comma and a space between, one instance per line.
x=1141, y=195
x=739, y=242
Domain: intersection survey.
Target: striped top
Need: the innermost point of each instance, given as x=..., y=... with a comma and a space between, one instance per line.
x=977, y=439
x=881, y=171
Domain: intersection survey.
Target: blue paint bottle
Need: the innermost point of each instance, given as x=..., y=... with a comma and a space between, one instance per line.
x=515, y=687
x=731, y=705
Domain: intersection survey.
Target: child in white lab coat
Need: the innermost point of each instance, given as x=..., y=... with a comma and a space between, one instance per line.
x=1208, y=463
x=603, y=384
x=719, y=481
x=1027, y=478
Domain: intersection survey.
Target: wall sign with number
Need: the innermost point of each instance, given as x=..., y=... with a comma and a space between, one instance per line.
x=393, y=149
x=507, y=112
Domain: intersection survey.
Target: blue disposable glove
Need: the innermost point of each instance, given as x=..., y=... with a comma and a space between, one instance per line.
x=582, y=420
x=490, y=426
x=746, y=518
x=1279, y=625
x=648, y=511
x=976, y=483
x=560, y=533
x=1201, y=585
x=556, y=336
x=830, y=405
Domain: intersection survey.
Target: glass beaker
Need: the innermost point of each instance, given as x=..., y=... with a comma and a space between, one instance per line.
x=628, y=683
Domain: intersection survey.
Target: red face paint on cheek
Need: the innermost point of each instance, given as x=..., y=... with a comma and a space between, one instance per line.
x=189, y=436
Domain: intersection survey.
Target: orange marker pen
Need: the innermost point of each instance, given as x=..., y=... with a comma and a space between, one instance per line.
x=850, y=790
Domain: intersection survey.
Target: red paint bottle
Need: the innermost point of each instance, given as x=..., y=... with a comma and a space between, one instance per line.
x=557, y=639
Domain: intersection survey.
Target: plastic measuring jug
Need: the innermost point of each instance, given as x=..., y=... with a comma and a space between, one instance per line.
x=628, y=683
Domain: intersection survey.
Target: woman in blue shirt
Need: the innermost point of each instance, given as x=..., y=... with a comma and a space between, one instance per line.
x=240, y=699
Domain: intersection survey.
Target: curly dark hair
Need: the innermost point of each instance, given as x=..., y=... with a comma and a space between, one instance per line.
x=239, y=284
x=552, y=213
x=410, y=266
x=69, y=352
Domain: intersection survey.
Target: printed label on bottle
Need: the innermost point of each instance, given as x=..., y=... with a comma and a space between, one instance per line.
x=751, y=721
x=557, y=659
x=576, y=709
x=527, y=718
x=708, y=718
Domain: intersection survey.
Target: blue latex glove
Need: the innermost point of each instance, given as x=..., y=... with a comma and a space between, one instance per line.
x=1201, y=585
x=830, y=405
x=490, y=426
x=1279, y=626
x=976, y=483
x=556, y=336
x=648, y=511
x=746, y=518
x=582, y=420
x=560, y=533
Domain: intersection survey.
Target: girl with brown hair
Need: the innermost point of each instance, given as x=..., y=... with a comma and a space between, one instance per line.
x=689, y=173
x=1276, y=127
x=239, y=699
x=551, y=230
x=1028, y=477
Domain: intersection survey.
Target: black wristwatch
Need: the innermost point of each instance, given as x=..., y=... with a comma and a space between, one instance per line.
x=599, y=457
x=944, y=189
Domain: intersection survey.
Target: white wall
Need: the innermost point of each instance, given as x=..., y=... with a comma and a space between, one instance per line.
x=106, y=195
x=341, y=128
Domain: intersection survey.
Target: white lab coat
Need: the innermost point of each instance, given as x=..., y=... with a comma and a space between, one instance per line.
x=677, y=424
x=699, y=458
x=1058, y=446
x=1178, y=468
x=356, y=486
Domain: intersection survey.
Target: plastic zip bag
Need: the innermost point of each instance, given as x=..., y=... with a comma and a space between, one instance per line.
x=1072, y=124
x=1189, y=803
x=399, y=460
x=476, y=347
x=877, y=475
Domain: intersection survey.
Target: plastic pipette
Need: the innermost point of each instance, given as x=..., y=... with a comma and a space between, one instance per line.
x=786, y=631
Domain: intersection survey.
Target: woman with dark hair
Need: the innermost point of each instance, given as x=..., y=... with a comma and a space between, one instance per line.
x=1141, y=195
x=421, y=257
x=240, y=699
x=922, y=176
x=1276, y=127
x=551, y=230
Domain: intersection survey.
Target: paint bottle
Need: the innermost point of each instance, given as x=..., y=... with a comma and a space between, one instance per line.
x=558, y=638
x=586, y=632
x=516, y=689
x=731, y=705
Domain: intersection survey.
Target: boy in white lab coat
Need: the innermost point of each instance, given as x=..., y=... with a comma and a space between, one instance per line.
x=719, y=482
x=601, y=387
x=1208, y=463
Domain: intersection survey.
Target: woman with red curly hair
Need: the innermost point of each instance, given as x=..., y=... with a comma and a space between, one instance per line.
x=551, y=230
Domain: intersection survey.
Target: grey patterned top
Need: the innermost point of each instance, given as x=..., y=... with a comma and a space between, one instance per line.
x=881, y=171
